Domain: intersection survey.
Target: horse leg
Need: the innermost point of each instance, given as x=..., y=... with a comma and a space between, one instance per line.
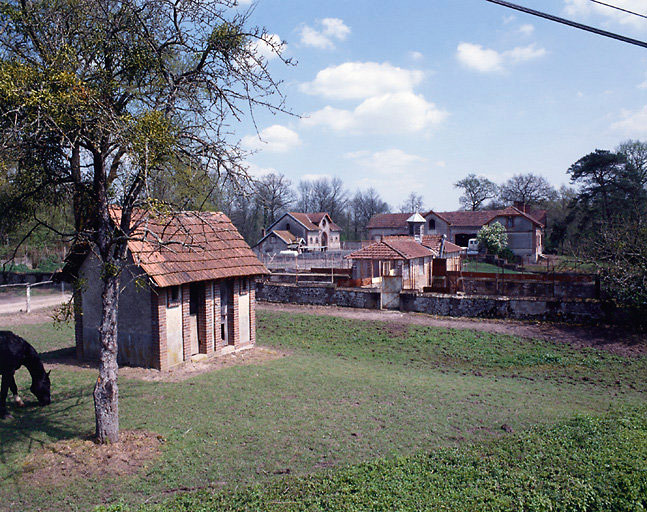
x=4, y=387
x=14, y=390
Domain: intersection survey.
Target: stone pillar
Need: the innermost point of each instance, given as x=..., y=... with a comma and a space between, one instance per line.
x=158, y=306
x=233, y=316
x=217, y=332
x=206, y=320
x=186, y=326
x=252, y=311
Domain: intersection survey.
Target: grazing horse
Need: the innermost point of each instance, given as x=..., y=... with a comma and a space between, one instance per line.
x=14, y=353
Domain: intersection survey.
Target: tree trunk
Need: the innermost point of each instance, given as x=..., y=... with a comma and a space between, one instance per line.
x=106, y=391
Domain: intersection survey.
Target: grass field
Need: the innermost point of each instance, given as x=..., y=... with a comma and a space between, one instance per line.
x=348, y=392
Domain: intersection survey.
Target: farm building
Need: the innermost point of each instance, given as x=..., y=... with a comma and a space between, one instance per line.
x=524, y=227
x=302, y=232
x=400, y=257
x=189, y=289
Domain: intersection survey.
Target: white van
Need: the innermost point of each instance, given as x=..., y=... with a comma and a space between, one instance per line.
x=472, y=247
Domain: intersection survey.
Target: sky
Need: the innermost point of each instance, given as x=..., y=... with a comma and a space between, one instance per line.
x=412, y=96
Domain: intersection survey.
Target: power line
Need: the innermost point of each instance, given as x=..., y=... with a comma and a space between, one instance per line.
x=619, y=8
x=570, y=23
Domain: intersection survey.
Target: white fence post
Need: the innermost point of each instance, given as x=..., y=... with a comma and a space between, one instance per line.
x=28, y=298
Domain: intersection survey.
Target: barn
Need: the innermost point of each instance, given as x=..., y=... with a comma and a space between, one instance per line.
x=188, y=289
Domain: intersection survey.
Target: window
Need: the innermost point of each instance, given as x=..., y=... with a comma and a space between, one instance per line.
x=287, y=226
x=173, y=297
x=244, y=286
x=432, y=224
x=510, y=222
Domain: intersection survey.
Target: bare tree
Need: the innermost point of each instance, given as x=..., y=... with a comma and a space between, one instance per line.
x=274, y=195
x=526, y=189
x=101, y=99
x=413, y=203
x=363, y=206
x=636, y=153
x=476, y=190
x=323, y=195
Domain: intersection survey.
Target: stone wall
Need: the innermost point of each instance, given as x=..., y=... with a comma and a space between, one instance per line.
x=528, y=308
x=318, y=294
x=475, y=306
x=518, y=288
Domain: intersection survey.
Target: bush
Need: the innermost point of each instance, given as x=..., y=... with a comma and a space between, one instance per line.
x=493, y=237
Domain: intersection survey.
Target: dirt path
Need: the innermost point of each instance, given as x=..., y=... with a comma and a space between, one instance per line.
x=607, y=338
x=18, y=305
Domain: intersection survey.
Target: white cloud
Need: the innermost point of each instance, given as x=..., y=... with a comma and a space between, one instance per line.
x=523, y=54
x=474, y=56
x=417, y=56
x=244, y=2
x=393, y=171
x=642, y=85
x=275, y=139
x=587, y=8
x=315, y=177
x=632, y=123
x=268, y=47
x=256, y=171
x=391, y=162
x=441, y=163
x=486, y=60
x=359, y=80
x=509, y=19
x=402, y=112
x=527, y=29
x=331, y=30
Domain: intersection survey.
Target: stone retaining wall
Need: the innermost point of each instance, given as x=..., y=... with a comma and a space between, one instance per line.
x=318, y=294
x=475, y=306
x=481, y=306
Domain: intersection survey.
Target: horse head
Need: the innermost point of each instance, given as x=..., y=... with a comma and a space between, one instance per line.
x=41, y=388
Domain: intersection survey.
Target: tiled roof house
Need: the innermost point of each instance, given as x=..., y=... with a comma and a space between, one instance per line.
x=189, y=289
x=300, y=231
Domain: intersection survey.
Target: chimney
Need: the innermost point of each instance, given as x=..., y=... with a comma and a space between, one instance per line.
x=520, y=205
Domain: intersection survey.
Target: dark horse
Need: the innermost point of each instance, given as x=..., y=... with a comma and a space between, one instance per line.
x=14, y=353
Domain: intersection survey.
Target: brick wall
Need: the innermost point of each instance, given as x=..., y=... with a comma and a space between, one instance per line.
x=206, y=320
x=158, y=310
x=217, y=332
x=186, y=327
x=252, y=311
x=233, y=316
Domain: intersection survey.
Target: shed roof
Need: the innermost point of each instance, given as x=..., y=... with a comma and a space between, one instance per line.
x=389, y=220
x=311, y=220
x=392, y=248
x=189, y=247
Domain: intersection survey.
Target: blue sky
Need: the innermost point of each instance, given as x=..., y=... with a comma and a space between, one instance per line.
x=414, y=95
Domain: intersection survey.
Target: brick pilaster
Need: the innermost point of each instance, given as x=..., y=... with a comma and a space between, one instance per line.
x=217, y=338
x=186, y=326
x=158, y=310
x=252, y=311
x=234, y=314
x=206, y=320
x=78, y=323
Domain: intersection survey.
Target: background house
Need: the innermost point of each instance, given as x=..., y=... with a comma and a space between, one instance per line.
x=524, y=226
x=317, y=231
x=189, y=289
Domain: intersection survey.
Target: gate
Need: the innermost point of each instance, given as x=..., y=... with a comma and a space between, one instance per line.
x=391, y=288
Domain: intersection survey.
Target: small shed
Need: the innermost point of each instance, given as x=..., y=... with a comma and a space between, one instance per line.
x=398, y=256
x=189, y=289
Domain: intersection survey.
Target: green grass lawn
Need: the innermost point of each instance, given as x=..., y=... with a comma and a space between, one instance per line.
x=489, y=268
x=349, y=392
